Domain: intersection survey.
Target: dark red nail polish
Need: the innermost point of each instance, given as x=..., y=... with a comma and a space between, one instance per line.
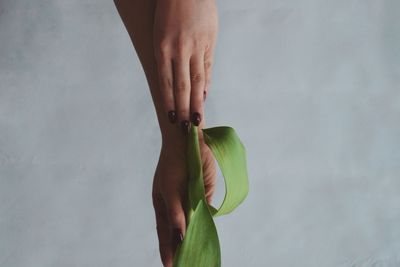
x=196, y=118
x=185, y=127
x=177, y=237
x=172, y=116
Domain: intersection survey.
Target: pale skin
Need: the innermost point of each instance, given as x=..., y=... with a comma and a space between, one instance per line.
x=175, y=42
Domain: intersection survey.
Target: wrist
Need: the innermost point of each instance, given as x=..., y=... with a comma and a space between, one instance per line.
x=173, y=136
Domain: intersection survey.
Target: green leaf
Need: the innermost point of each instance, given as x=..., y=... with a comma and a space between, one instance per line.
x=195, y=171
x=231, y=157
x=200, y=246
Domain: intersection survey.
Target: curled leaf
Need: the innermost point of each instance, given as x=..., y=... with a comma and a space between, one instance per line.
x=200, y=247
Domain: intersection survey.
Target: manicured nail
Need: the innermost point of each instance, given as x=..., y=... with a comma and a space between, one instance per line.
x=172, y=116
x=177, y=237
x=185, y=127
x=196, y=118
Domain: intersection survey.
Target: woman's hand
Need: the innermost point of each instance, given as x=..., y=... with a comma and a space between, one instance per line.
x=177, y=60
x=169, y=193
x=185, y=34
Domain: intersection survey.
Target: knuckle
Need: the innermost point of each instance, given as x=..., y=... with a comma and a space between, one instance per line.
x=198, y=43
x=181, y=86
x=162, y=50
x=180, y=45
x=196, y=77
x=163, y=45
x=161, y=56
x=167, y=83
x=207, y=64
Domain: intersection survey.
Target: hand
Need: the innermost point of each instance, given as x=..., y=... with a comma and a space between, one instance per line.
x=184, y=41
x=169, y=193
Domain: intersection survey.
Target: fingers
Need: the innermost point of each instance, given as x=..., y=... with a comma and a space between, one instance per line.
x=182, y=90
x=209, y=172
x=164, y=67
x=177, y=221
x=162, y=227
x=184, y=77
x=209, y=181
x=170, y=221
x=171, y=225
x=197, y=80
x=208, y=62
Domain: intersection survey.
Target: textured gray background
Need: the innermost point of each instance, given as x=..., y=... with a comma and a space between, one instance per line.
x=312, y=88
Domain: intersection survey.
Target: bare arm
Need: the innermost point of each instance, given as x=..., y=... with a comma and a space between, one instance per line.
x=174, y=41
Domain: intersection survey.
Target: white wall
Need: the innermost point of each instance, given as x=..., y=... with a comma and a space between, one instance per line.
x=312, y=88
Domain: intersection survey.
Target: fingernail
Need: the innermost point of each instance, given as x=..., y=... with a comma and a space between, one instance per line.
x=204, y=95
x=172, y=116
x=177, y=237
x=196, y=118
x=185, y=127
